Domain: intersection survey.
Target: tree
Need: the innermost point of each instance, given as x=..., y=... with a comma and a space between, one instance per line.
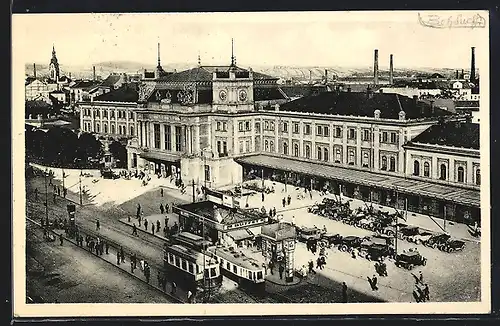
x=88, y=146
x=119, y=152
x=60, y=146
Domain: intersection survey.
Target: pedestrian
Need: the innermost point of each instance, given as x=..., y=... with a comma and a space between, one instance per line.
x=97, y=225
x=134, y=230
x=133, y=259
x=158, y=226
x=426, y=292
x=61, y=239
x=65, y=192
x=311, y=267
x=146, y=225
x=58, y=191
x=117, y=258
x=131, y=267
x=293, y=220
x=174, y=288
x=283, y=201
x=107, y=248
x=281, y=269
x=310, y=194
x=289, y=199
x=373, y=282
x=153, y=228
x=274, y=211
x=122, y=254
x=189, y=296
x=97, y=248
x=138, y=213
x=270, y=212
x=421, y=277
x=162, y=209
x=271, y=266
x=262, y=195
x=344, y=292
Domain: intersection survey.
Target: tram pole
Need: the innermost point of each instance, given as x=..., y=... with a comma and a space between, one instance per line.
x=46, y=200
x=444, y=220
x=80, y=186
x=194, y=198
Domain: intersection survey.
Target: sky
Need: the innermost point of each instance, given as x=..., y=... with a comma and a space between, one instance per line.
x=293, y=39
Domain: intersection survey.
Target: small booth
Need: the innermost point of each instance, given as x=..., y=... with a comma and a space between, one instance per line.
x=278, y=246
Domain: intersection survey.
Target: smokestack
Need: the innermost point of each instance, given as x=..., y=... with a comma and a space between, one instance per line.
x=456, y=75
x=463, y=74
x=326, y=76
x=391, y=70
x=93, y=76
x=34, y=70
x=375, y=68
x=472, y=66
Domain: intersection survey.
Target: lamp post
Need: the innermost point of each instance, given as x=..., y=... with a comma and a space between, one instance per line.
x=80, y=184
x=63, y=177
x=46, y=199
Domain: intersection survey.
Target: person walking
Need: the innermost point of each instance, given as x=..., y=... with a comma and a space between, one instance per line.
x=138, y=212
x=262, y=196
x=61, y=239
x=59, y=191
x=281, y=269
x=65, y=192
x=344, y=292
x=161, y=192
x=289, y=200
x=274, y=211
x=420, y=277
x=107, y=248
x=153, y=228
x=158, y=226
x=311, y=267
x=174, y=288
x=283, y=201
x=147, y=273
x=271, y=266
x=146, y=225
x=117, y=258
x=162, y=209
x=97, y=225
x=134, y=230
x=373, y=282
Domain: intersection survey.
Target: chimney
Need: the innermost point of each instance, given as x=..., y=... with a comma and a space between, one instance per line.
x=472, y=66
x=456, y=75
x=34, y=70
x=93, y=74
x=432, y=106
x=391, y=70
x=463, y=74
x=375, y=68
x=326, y=76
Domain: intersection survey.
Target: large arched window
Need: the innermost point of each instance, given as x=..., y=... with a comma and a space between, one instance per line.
x=320, y=152
x=392, y=164
x=131, y=130
x=266, y=145
x=97, y=127
x=105, y=128
x=416, y=168
x=325, y=154
x=460, y=174
x=478, y=177
x=427, y=169
x=112, y=128
x=271, y=146
x=384, y=163
x=351, y=157
x=338, y=155
x=257, y=143
x=366, y=160
x=296, y=150
x=442, y=172
x=308, y=151
x=285, y=148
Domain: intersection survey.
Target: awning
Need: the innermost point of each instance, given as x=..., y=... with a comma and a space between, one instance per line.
x=241, y=234
x=411, y=186
x=255, y=230
x=166, y=157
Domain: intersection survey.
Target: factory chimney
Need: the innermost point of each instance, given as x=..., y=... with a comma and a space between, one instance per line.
x=34, y=70
x=472, y=66
x=375, y=68
x=93, y=73
x=456, y=75
x=463, y=75
x=391, y=70
x=326, y=76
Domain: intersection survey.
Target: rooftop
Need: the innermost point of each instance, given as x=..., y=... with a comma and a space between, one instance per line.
x=363, y=104
x=473, y=104
x=205, y=73
x=238, y=258
x=212, y=210
x=111, y=80
x=126, y=93
x=453, y=134
x=86, y=84
x=279, y=231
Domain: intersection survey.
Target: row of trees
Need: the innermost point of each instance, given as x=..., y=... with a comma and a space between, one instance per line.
x=63, y=148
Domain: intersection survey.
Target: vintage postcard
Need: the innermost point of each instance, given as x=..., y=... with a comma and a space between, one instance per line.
x=280, y=163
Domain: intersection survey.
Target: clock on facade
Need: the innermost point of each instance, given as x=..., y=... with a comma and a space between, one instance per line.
x=243, y=95
x=223, y=95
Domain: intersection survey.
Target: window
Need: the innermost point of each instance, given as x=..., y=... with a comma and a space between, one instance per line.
x=442, y=172
x=224, y=126
x=105, y=114
x=168, y=138
x=338, y=132
x=308, y=151
x=207, y=173
x=394, y=138
x=384, y=137
x=219, y=147
x=325, y=154
x=266, y=125
x=240, y=126
x=191, y=268
x=296, y=150
x=351, y=157
x=366, y=135
x=224, y=147
x=338, y=155
x=460, y=174
x=392, y=166
x=427, y=169
x=213, y=272
x=271, y=146
x=366, y=160
x=266, y=145
x=241, y=146
x=295, y=128
x=319, y=153
x=178, y=144
x=130, y=115
x=384, y=163
x=257, y=143
x=228, y=266
x=156, y=128
x=132, y=131
x=184, y=265
x=170, y=257
x=478, y=177
x=326, y=131
x=257, y=127
x=105, y=128
x=259, y=275
x=98, y=127
x=235, y=269
x=416, y=167
x=271, y=125
x=351, y=134
x=207, y=273
x=217, y=128
x=285, y=127
x=307, y=129
x=319, y=130
x=113, y=129
x=247, y=126
x=177, y=261
x=247, y=146
x=112, y=114
x=285, y=148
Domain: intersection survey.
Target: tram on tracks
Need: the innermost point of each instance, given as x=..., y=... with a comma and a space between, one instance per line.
x=191, y=268
x=246, y=271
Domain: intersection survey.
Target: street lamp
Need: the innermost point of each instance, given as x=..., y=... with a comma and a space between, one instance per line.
x=203, y=153
x=80, y=184
x=46, y=199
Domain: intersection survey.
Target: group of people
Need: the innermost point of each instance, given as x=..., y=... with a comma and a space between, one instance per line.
x=421, y=290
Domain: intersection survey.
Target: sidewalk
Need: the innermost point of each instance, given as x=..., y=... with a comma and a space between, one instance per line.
x=172, y=218
x=457, y=230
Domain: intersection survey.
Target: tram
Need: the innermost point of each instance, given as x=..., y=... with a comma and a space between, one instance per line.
x=191, y=268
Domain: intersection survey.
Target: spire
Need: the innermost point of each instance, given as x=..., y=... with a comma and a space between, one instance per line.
x=159, y=65
x=53, y=50
x=232, y=53
x=199, y=60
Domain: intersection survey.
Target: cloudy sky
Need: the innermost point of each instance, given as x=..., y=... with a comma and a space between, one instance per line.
x=307, y=39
